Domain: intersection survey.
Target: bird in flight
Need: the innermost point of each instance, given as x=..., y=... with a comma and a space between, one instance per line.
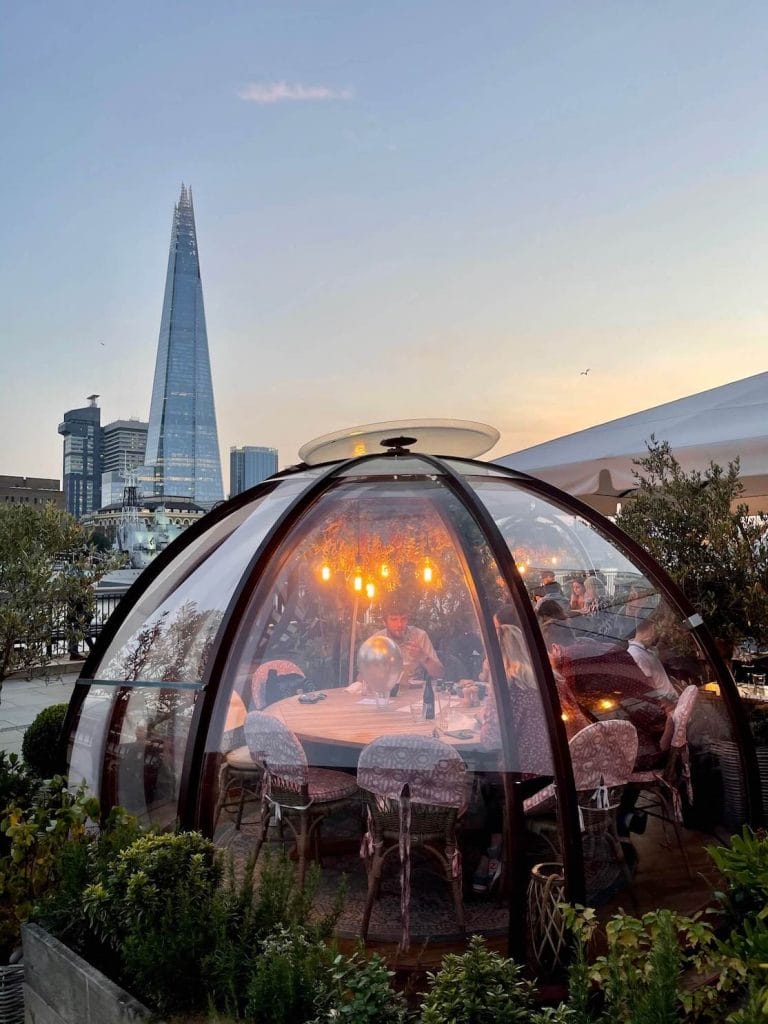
x=102, y=344
x=585, y=372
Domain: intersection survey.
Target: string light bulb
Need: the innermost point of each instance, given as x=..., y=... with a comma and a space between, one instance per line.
x=426, y=572
x=384, y=571
x=357, y=581
x=370, y=591
x=325, y=573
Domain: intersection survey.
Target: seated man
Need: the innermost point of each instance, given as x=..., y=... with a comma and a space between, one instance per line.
x=415, y=646
x=649, y=663
x=608, y=684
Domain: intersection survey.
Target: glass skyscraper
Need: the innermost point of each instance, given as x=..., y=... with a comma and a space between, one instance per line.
x=182, y=441
x=250, y=465
x=81, y=430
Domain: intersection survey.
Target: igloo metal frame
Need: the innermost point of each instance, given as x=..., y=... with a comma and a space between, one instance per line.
x=192, y=810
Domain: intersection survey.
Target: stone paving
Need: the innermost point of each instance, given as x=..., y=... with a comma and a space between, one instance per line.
x=22, y=699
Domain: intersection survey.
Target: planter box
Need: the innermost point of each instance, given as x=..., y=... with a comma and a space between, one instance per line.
x=62, y=988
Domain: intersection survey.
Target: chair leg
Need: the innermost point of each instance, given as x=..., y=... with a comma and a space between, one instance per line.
x=456, y=889
x=262, y=837
x=223, y=786
x=302, y=841
x=374, y=883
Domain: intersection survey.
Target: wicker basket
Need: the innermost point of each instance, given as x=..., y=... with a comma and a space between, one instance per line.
x=546, y=890
x=12, y=994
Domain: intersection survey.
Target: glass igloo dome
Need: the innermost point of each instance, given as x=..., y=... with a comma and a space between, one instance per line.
x=444, y=681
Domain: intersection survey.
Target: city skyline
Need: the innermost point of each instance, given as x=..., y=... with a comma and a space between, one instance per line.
x=454, y=220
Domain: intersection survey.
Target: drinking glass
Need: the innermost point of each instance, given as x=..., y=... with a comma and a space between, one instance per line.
x=417, y=711
x=443, y=709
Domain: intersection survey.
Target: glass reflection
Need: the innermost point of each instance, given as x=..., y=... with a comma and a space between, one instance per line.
x=370, y=653
x=621, y=653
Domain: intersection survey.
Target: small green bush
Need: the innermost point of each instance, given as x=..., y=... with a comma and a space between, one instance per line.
x=359, y=991
x=478, y=987
x=744, y=866
x=43, y=746
x=17, y=784
x=80, y=864
x=154, y=907
x=248, y=914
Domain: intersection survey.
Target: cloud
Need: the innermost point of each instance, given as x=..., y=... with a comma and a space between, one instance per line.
x=277, y=92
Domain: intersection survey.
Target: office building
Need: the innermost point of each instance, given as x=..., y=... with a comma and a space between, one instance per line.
x=30, y=490
x=123, y=443
x=250, y=465
x=81, y=430
x=182, y=454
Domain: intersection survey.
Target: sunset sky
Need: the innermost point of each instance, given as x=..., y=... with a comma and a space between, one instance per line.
x=403, y=209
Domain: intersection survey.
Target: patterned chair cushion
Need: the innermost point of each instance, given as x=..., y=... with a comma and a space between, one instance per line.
x=326, y=785
x=240, y=757
x=603, y=753
x=434, y=772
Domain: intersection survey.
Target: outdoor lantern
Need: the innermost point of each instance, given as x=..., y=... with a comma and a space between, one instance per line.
x=442, y=728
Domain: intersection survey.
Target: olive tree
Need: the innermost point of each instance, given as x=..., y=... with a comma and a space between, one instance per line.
x=698, y=528
x=47, y=571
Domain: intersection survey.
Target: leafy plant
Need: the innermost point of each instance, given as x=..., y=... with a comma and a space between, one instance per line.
x=359, y=991
x=695, y=525
x=478, y=987
x=246, y=913
x=153, y=906
x=744, y=866
x=286, y=979
x=37, y=836
x=42, y=747
x=80, y=864
x=640, y=975
x=17, y=784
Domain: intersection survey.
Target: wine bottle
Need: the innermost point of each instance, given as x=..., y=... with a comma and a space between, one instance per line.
x=429, y=701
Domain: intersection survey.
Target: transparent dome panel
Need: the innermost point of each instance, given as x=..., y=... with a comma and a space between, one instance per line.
x=145, y=749
x=171, y=642
x=369, y=660
x=626, y=655
x=88, y=739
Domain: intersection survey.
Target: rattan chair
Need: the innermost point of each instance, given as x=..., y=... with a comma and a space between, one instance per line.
x=240, y=778
x=416, y=792
x=293, y=794
x=661, y=795
x=602, y=757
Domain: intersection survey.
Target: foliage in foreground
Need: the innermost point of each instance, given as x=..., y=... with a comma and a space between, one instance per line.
x=695, y=525
x=186, y=934
x=37, y=834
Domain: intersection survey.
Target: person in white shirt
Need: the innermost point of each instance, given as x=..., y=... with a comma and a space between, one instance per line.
x=414, y=643
x=649, y=663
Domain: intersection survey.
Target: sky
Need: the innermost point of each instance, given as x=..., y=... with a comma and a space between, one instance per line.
x=403, y=209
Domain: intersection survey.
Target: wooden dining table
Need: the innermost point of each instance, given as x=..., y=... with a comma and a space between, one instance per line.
x=336, y=728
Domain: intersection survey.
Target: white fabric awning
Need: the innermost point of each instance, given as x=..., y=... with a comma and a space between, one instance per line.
x=713, y=426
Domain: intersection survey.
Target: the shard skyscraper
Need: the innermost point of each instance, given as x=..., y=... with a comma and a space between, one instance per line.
x=182, y=442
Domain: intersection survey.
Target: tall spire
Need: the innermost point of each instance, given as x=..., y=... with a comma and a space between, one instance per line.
x=182, y=440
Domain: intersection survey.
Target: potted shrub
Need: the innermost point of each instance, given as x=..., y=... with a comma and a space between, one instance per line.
x=42, y=747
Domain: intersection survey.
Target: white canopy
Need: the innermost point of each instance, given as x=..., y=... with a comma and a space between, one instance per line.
x=714, y=426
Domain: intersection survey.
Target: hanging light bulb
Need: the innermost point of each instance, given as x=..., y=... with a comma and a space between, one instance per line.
x=426, y=572
x=384, y=571
x=357, y=581
x=370, y=591
x=521, y=567
x=325, y=573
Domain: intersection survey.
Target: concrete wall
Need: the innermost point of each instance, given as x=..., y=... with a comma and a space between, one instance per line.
x=62, y=988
